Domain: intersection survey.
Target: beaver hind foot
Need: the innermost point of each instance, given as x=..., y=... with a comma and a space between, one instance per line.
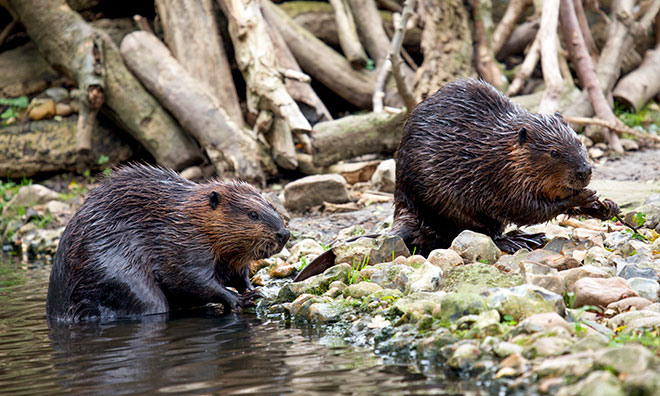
x=513, y=241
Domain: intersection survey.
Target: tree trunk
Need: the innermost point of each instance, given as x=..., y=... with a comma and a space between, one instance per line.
x=322, y=62
x=356, y=135
x=485, y=59
x=193, y=105
x=447, y=46
x=191, y=33
x=62, y=35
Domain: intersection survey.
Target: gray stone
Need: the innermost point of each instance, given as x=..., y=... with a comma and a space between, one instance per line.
x=624, y=318
x=301, y=305
x=478, y=277
x=307, y=248
x=445, y=258
x=542, y=322
x=636, y=247
x=504, y=349
x=383, y=177
x=635, y=271
x=641, y=325
x=549, y=346
x=325, y=312
x=456, y=305
x=392, y=276
x=58, y=94
x=628, y=359
x=601, y=383
x=629, y=144
x=486, y=324
x=599, y=257
x=541, y=275
x=472, y=246
x=645, y=383
x=304, y=193
x=381, y=249
x=629, y=303
x=616, y=240
x=416, y=305
x=646, y=288
x=427, y=278
x=575, y=364
x=464, y=356
x=601, y=291
x=30, y=195
x=524, y=301
x=361, y=289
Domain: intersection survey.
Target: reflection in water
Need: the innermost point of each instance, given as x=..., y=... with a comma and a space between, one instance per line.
x=201, y=354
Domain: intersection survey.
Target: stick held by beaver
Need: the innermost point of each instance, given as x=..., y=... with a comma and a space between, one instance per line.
x=148, y=241
x=469, y=158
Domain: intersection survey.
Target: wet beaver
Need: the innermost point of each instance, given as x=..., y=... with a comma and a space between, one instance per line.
x=148, y=241
x=469, y=158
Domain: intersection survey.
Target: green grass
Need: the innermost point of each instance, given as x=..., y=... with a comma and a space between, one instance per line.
x=648, y=117
x=354, y=274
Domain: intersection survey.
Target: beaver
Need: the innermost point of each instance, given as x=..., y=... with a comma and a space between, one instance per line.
x=148, y=241
x=469, y=158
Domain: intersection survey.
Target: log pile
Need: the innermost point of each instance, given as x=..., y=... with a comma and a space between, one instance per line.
x=253, y=88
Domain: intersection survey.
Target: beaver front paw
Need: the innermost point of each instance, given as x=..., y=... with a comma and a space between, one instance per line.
x=585, y=198
x=604, y=210
x=248, y=298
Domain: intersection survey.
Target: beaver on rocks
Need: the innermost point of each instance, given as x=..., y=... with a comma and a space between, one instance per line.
x=469, y=158
x=148, y=241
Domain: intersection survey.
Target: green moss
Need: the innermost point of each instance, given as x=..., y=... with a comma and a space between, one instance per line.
x=478, y=277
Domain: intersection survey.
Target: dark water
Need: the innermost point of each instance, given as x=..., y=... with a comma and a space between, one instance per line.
x=205, y=353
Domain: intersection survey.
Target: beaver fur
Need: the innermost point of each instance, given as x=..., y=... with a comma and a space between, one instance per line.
x=469, y=158
x=148, y=241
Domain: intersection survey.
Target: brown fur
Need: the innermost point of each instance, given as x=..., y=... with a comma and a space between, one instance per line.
x=147, y=241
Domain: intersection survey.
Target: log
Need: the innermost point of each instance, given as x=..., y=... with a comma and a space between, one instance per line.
x=322, y=62
x=255, y=57
x=638, y=87
x=521, y=38
x=230, y=149
x=191, y=33
x=281, y=141
x=511, y=16
x=485, y=59
x=549, y=61
x=61, y=34
x=40, y=147
x=370, y=28
x=355, y=135
x=348, y=37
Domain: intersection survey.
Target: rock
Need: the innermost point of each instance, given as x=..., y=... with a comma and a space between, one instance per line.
x=301, y=305
x=284, y=270
x=383, y=177
x=464, y=356
x=574, y=365
x=379, y=250
x=472, y=246
x=355, y=172
x=652, y=212
x=629, y=271
x=542, y=276
x=42, y=109
x=192, y=173
x=41, y=243
x=600, y=257
x=642, y=325
x=361, y=289
x=30, y=195
x=325, y=312
x=516, y=362
x=625, y=318
x=486, y=324
x=505, y=348
x=416, y=305
x=629, y=303
x=549, y=346
x=60, y=211
x=636, y=247
x=302, y=194
x=58, y=94
x=601, y=291
x=646, y=288
x=596, y=153
x=629, y=144
x=427, y=278
x=477, y=278
x=542, y=322
x=392, y=275
x=601, y=383
x=315, y=285
x=456, y=305
x=335, y=288
x=588, y=271
x=632, y=358
x=63, y=109
x=445, y=258
x=350, y=232
x=524, y=301
x=642, y=383
x=616, y=240
x=307, y=248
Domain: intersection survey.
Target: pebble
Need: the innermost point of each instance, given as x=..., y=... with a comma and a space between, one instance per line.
x=601, y=291
x=63, y=109
x=42, y=109
x=310, y=191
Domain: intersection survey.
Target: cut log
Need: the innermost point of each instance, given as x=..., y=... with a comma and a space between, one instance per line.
x=230, y=149
x=61, y=34
x=355, y=135
x=50, y=146
x=348, y=37
x=322, y=62
x=637, y=88
x=191, y=33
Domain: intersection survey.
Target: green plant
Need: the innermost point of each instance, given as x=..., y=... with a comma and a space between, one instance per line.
x=103, y=159
x=43, y=221
x=569, y=299
x=358, y=266
x=371, y=65
x=324, y=246
x=303, y=263
x=639, y=218
x=509, y=320
x=413, y=255
x=20, y=102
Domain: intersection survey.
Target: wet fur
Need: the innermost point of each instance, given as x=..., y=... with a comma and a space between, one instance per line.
x=469, y=158
x=147, y=241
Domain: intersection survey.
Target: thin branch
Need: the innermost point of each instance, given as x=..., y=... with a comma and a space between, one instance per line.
x=619, y=128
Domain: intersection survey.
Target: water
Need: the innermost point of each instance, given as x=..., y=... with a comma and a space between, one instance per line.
x=201, y=353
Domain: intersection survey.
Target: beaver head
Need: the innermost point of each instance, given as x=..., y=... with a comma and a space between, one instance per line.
x=238, y=223
x=548, y=151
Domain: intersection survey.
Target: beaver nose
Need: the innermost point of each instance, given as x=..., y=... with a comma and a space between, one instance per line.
x=584, y=172
x=282, y=235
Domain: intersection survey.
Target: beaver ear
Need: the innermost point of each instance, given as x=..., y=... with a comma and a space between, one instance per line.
x=214, y=199
x=522, y=135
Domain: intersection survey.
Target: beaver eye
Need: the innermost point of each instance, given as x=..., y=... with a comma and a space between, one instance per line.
x=554, y=154
x=253, y=215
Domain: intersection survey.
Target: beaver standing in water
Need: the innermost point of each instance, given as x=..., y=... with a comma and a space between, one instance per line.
x=469, y=158
x=148, y=241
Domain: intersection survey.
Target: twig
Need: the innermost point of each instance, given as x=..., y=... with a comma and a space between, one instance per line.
x=619, y=129
x=394, y=60
x=526, y=68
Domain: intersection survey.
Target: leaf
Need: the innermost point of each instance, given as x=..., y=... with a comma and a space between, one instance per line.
x=103, y=159
x=7, y=114
x=20, y=102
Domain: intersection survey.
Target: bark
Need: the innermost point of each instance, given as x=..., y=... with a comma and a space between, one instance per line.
x=322, y=62
x=356, y=135
x=549, y=62
x=447, y=46
x=281, y=141
x=585, y=69
x=308, y=101
x=522, y=36
x=391, y=5
x=486, y=65
x=586, y=31
x=637, y=88
x=50, y=146
x=62, y=36
x=370, y=28
x=230, y=149
x=348, y=37
x=191, y=33
x=508, y=22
